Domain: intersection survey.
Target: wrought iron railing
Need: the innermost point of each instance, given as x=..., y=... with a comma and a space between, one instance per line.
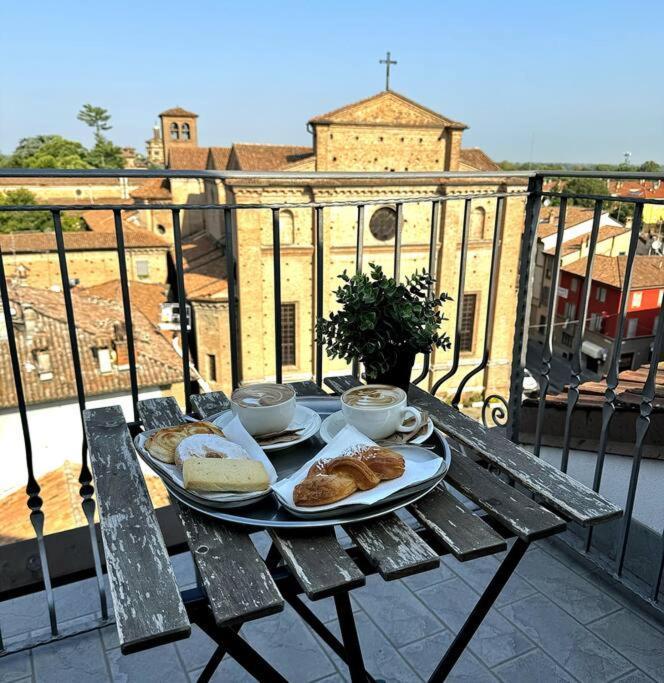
x=53, y=569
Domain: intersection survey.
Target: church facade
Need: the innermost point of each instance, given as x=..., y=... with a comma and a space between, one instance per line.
x=383, y=133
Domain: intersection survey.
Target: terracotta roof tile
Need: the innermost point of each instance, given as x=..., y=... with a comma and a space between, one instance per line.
x=28, y=242
x=188, y=158
x=61, y=503
x=204, y=267
x=648, y=271
x=648, y=189
x=256, y=157
x=97, y=323
x=478, y=160
x=144, y=296
x=218, y=158
x=104, y=221
x=605, y=232
x=178, y=111
x=548, y=218
x=155, y=188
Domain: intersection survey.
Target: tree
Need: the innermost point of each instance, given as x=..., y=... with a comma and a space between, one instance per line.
x=104, y=154
x=57, y=152
x=650, y=167
x=95, y=117
x=595, y=186
x=39, y=221
x=28, y=147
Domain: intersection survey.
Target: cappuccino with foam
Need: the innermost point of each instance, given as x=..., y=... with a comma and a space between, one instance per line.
x=378, y=410
x=264, y=408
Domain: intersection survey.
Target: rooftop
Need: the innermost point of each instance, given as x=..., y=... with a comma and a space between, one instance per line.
x=177, y=111
x=574, y=215
x=204, y=268
x=648, y=271
x=389, y=108
x=188, y=158
x=606, y=232
x=246, y=156
x=40, y=321
x=93, y=240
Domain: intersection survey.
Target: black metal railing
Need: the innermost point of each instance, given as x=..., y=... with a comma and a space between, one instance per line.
x=492, y=186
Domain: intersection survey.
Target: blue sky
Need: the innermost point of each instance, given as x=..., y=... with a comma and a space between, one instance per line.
x=571, y=81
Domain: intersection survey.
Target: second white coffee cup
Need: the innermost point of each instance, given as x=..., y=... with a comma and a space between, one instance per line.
x=380, y=421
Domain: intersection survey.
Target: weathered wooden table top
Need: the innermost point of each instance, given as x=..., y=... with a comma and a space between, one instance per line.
x=239, y=585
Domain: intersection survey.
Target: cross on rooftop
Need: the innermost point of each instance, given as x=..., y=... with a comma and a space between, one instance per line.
x=387, y=63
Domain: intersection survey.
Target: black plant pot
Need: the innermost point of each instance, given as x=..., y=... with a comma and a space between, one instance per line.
x=398, y=375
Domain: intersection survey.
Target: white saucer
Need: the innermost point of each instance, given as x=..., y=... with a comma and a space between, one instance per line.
x=335, y=422
x=304, y=416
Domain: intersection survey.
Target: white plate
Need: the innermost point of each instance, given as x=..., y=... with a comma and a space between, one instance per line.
x=422, y=465
x=335, y=422
x=303, y=416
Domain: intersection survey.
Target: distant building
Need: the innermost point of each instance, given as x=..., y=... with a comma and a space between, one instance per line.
x=31, y=258
x=643, y=304
x=653, y=214
x=613, y=239
x=385, y=132
x=154, y=148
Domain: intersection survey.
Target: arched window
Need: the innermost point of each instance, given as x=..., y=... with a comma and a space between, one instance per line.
x=175, y=131
x=286, y=226
x=477, y=221
x=383, y=224
x=186, y=134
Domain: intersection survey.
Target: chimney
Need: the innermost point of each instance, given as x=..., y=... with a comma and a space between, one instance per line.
x=628, y=222
x=29, y=320
x=120, y=346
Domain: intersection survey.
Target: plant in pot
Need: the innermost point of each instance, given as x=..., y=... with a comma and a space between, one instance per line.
x=384, y=324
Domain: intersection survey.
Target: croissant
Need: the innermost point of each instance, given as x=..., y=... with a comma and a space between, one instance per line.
x=353, y=468
x=328, y=481
x=322, y=489
x=385, y=463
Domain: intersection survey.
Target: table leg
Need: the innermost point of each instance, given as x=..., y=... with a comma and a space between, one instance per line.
x=212, y=665
x=480, y=611
x=321, y=630
x=355, y=662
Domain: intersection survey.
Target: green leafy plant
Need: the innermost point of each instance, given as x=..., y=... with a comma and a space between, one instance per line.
x=381, y=319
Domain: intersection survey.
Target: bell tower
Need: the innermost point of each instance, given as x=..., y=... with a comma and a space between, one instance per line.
x=178, y=129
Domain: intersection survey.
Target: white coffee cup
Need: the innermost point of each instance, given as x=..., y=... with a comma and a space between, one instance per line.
x=264, y=408
x=378, y=410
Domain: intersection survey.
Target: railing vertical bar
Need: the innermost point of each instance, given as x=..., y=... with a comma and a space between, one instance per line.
x=491, y=304
x=319, y=291
x=359, y=247
x=642, y=427
x=547, y=351
x=32, y=488
x=609, y=406
x=276, y=262
x=231, y=272
x=397, y=242
x=433, y=241
x=126, y=304
x=359, y=254
x=522, y=319
x=573, y=391
x=182, y=307
x=85, y=477
x=460, y=287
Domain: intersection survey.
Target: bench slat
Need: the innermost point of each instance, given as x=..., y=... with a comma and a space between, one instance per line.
x=514, y=510
x=208, y=404
x=237, y=582
x=392, y=547
x=463, y=532
x=563, y=493
x=146, y=598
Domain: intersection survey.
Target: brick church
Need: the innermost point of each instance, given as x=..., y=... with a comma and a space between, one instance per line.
x=387, y=132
